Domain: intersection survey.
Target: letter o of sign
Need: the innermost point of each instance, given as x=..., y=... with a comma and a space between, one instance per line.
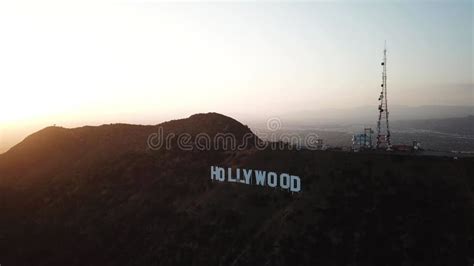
x=272, y=179
x=285, y=181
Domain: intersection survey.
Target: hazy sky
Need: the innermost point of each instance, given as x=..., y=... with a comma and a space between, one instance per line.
x=123, y=61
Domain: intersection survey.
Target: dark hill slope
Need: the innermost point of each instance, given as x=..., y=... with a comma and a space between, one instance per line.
x=56, y=150
x=146, y=207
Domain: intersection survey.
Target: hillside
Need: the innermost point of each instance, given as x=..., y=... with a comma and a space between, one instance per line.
x=53, y=149
x=100, y=196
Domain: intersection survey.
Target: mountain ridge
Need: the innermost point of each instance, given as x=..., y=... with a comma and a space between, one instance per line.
x=160, y=207
x=88, y=145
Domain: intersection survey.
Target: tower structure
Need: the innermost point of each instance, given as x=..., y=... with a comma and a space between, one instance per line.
x=383, y=128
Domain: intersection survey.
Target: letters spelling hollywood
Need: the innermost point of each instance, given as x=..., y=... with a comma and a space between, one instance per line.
x=257, y=177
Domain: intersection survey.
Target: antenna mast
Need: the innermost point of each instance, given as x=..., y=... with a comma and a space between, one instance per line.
x=383, y=129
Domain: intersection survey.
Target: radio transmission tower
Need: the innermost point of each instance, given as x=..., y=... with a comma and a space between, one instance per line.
x=383, y=129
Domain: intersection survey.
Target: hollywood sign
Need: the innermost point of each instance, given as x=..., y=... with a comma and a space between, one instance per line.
x=261, y=178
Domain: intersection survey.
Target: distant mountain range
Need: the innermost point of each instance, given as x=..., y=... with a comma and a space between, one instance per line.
x=311, y=118
x=456, y=125
x=369, y=114
x=101, y=196
x=449, y=134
